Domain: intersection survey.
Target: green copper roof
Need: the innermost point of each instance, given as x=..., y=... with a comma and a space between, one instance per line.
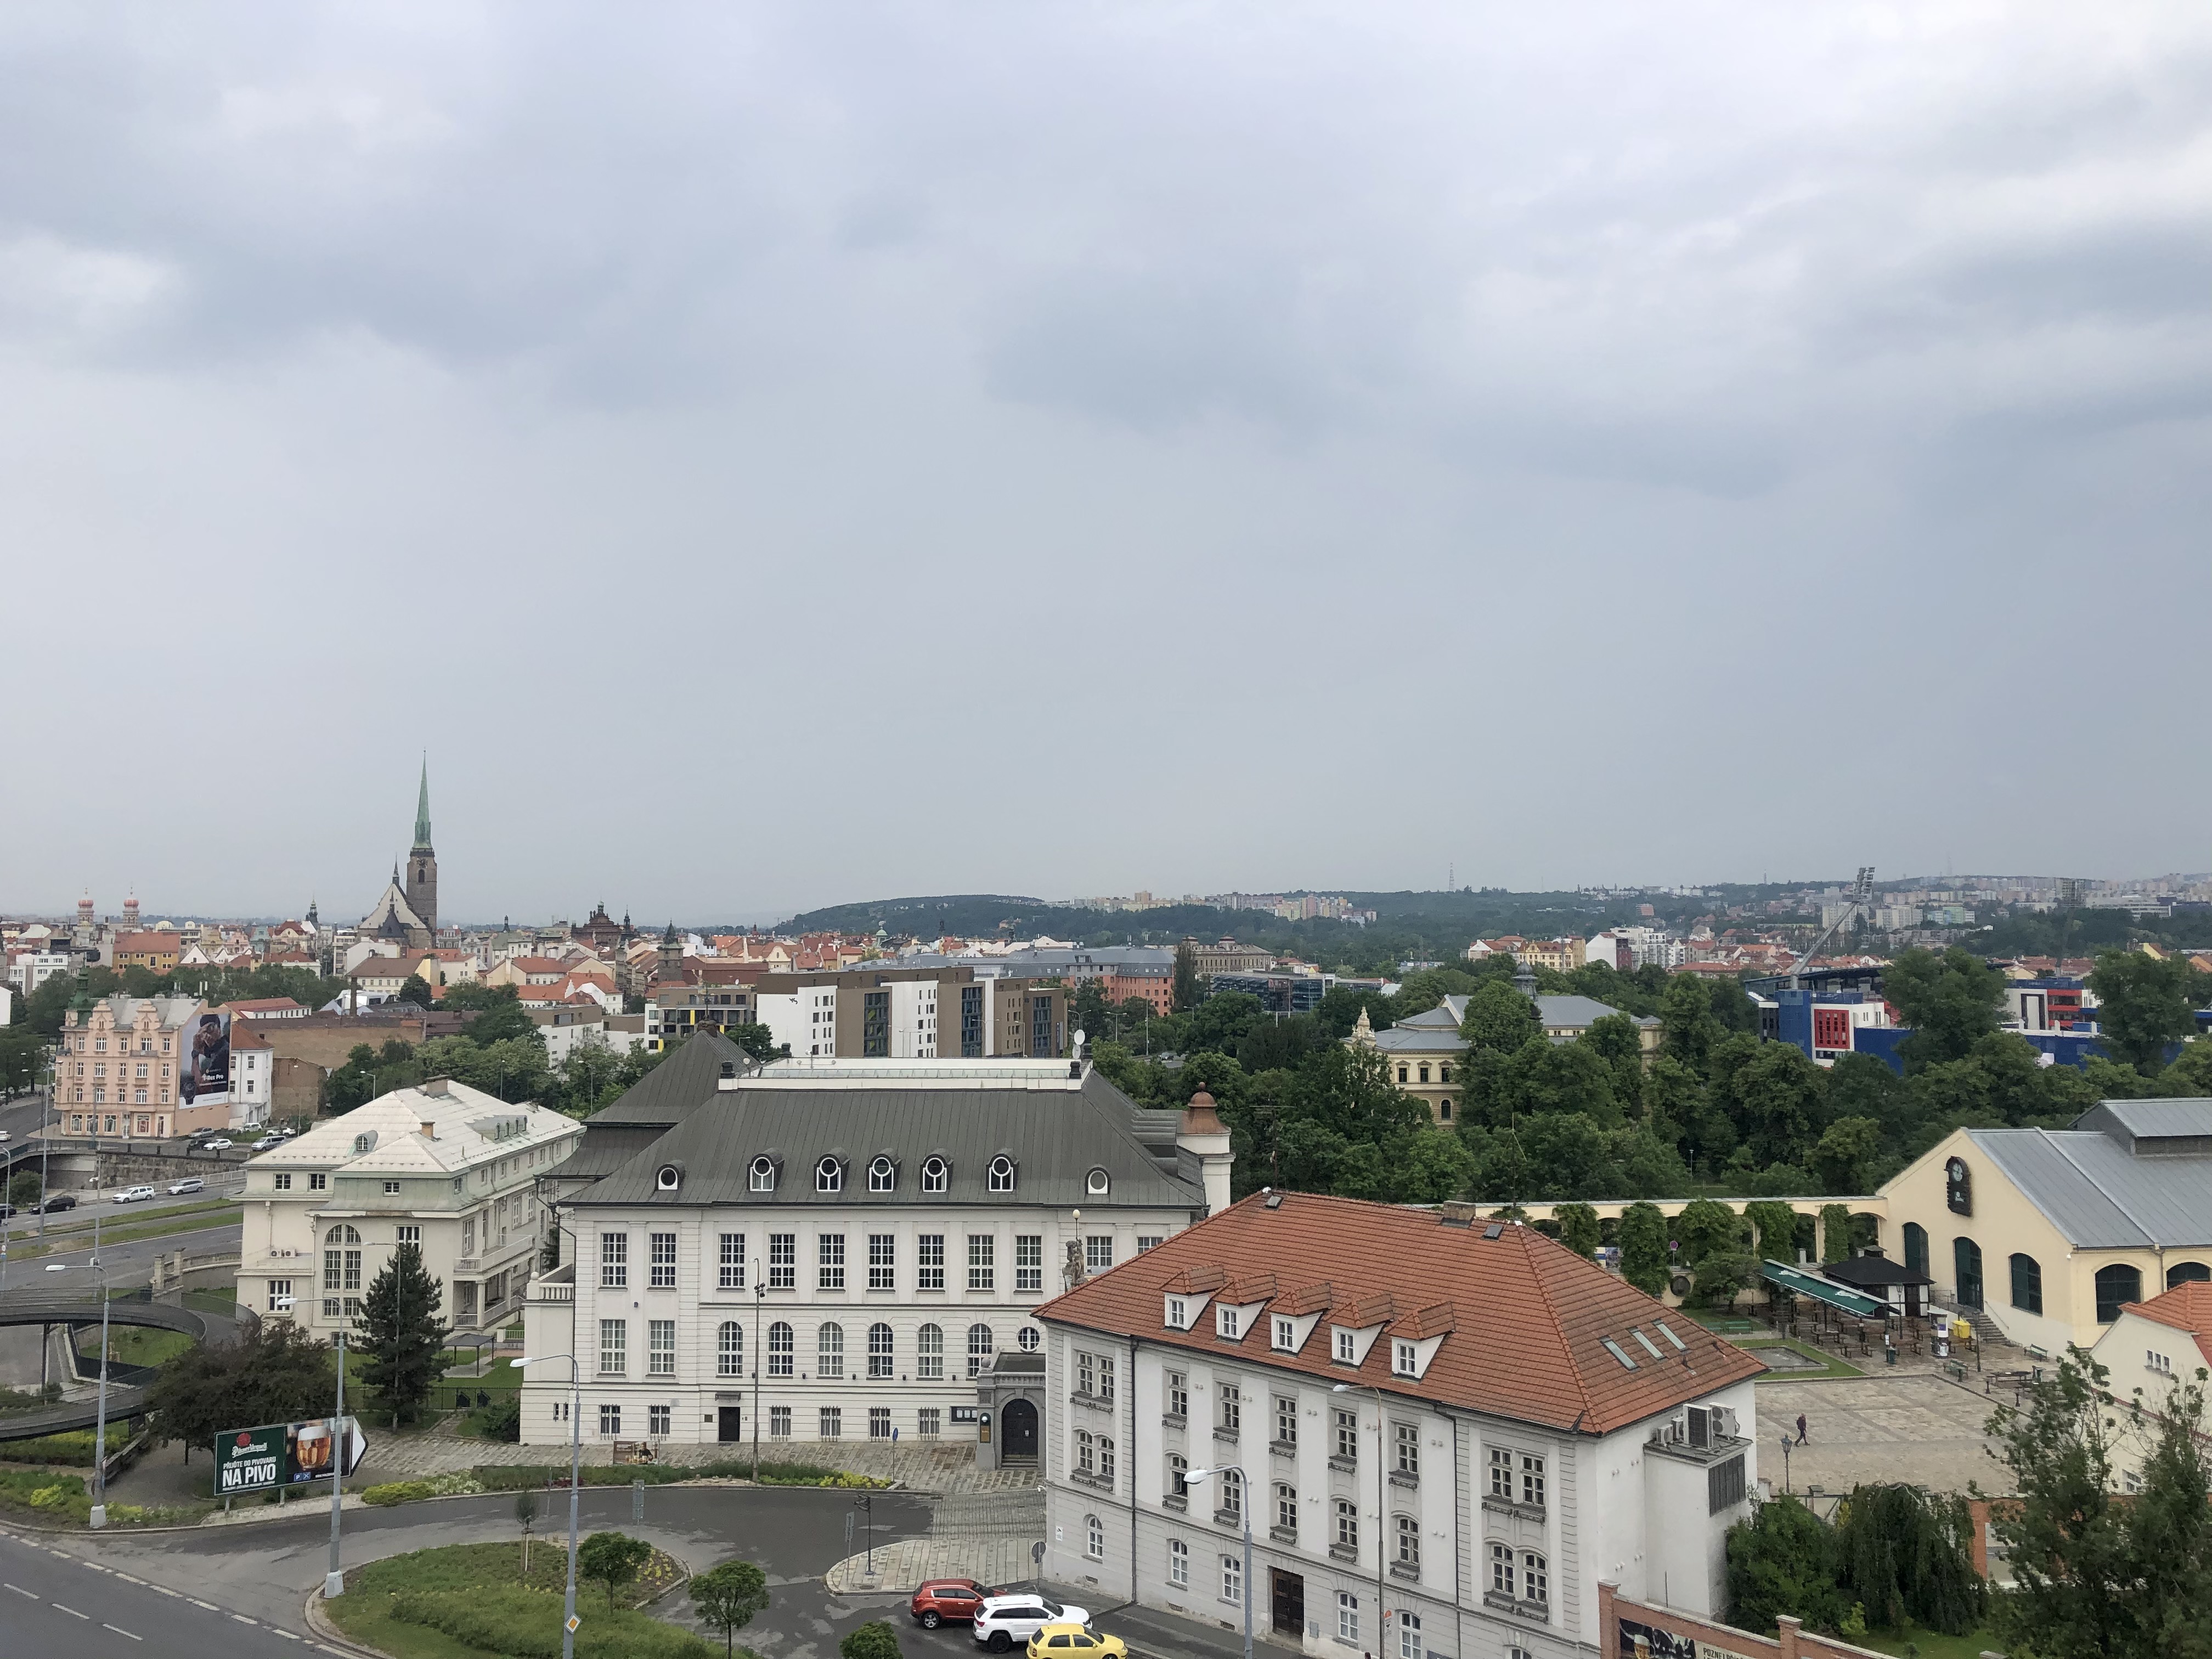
x=422, y=810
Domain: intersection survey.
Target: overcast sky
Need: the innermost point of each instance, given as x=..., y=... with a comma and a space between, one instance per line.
x=772, y=456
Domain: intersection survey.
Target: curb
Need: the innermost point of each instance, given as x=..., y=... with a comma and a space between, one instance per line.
x=330, y=1635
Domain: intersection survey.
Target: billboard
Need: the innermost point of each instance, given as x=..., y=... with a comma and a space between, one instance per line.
x=204, y=1076
x=280, y=1454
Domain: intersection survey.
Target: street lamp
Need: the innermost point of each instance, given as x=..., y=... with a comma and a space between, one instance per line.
x=99, y=1516
x=575, y=1473
x=1382, y=1614
x=1244, y=1504
x=1786, y=1443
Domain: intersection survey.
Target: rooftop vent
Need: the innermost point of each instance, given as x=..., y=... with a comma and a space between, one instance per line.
x=1274, y=1200
x=729, y=1080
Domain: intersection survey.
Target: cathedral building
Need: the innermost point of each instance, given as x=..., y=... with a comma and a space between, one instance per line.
x=408, y=914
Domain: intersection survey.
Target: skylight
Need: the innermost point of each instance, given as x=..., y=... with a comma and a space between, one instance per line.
x=1649, y=1346
x=1614, y=1349
x=1680, y=1347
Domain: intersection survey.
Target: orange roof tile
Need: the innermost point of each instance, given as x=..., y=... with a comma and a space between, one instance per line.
x=1529, y=1318
x=2186, y=1307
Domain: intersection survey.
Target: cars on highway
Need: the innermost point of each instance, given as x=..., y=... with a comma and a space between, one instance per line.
x=1002, y=1620
x=939, y=1599
x=220, y=1144
x=131, y=1195
x=192, y=1184
x=1072, y=1641
x=58, y=1202
x=265, y=1143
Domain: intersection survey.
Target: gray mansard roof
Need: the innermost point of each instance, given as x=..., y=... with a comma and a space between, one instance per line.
x=1056, y=1137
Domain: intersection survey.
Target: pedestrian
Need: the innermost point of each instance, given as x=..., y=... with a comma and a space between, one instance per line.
x=1800, y=1428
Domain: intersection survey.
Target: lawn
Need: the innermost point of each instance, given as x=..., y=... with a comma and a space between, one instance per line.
x=1830, y=1366
x=488, y=1573
x=133, y=1345
x=1931, y=1645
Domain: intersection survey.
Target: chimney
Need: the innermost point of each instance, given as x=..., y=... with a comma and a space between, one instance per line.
x=729, y=1080
x=1202, y=1153
x=429, y=1132
x=438, y=1085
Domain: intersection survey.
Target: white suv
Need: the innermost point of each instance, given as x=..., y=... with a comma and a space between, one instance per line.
x=1005, y=1621
x=132, y=1195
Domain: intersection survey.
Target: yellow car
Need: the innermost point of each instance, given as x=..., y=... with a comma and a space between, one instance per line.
x=1076, y=1642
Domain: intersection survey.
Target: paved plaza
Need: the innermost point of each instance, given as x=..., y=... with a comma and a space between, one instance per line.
x=1911, y=1427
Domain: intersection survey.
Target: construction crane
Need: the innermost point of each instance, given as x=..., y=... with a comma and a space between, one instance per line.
x=1862, y=900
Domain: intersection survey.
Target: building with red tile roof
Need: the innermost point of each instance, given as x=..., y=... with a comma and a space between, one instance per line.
x=1362, y=1364
x=2151, y=1348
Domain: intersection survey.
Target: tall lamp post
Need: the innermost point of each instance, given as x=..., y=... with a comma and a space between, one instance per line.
x=1381, y=1509
x=99, y=1516
x=1244, y=1487
x=575, y=1473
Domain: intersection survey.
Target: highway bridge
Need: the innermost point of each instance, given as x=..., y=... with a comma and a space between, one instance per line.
x=127, y=1397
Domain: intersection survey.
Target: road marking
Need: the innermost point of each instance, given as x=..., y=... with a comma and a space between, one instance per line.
x=287, y=1635
x=197, y=1603
x=128, y=1579
x=120, y=1631
x=20, y=1590
x=243, y=1620
x=163, y=1588
x=72, y=1611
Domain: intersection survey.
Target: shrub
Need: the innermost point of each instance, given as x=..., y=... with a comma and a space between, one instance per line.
x=456, y=1484
x=526, y=1624
x=74, y=1449
x=49, y=1496
x=874, y=1640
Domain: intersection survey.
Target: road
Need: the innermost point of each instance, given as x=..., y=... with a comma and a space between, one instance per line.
x=130, y=1263
x=54, y=1600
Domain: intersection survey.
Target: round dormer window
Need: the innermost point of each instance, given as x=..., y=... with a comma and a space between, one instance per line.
x=1095, y=1184
x=669, y=1178
x=1029, y=1337
x=1002, y=1174
x=764, y=1174
x=934, y=1172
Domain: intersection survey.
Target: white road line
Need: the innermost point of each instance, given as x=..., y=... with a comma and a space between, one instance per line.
x=163, y=1588
x=197, y=1603
x=128, y=1579
x=20, y=1590
x=120, y=1631
x=243, y=1620
x=72, y=1611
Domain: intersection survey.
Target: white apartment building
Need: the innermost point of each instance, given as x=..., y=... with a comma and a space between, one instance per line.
x=567, y=1027
x=444, y=1167
x=826, y=1250
x=1444, y=1433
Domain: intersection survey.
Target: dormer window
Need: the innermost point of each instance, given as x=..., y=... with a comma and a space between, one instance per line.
x=1228, y=1322
x=764, y=1174
x=1002, y=1174
x=1404, y=1361
x=828, y=1175
x=1287, y=1335
x=934, y=1174
x=1178, y=1313
x=1095, y=1184
x=1347, y=1347
x=883, y=1176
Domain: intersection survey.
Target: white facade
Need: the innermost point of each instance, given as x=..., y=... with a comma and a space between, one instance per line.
x=568, y=1027
x=804, y=1020
x=1486, y=1535
x=32, y=969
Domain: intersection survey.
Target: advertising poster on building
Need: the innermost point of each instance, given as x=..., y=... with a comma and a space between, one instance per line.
x=205, y=1074
x=279, y=1454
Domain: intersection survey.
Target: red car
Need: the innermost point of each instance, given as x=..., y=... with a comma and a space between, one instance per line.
x=941, y=1599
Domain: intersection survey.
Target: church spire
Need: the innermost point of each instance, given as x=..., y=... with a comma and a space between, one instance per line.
x=422, y=810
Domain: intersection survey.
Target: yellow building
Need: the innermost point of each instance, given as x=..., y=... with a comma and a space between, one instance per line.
x=2048, y=1234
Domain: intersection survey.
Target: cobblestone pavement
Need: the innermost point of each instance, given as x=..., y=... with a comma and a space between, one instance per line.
x=1916, y=1428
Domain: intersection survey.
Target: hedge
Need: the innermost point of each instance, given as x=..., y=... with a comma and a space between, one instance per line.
x=74, y=1449
x=525, y=1624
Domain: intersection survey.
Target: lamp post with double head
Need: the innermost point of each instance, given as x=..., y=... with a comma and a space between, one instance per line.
x=576, y=1473
x=99, y=1516
x=1382, y=1614
x=1244, y=1510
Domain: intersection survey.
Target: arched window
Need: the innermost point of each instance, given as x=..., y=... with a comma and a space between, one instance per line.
x=828, y=1175
x=934, y=1172
x=1105, y=1457
x=1002, y=1174
x=2026, y=1284
x=342, y=1235
x=929, y=1353
x=883, y=1176
x=1096, y=1183
x=1502, y=1576
x=979, y=1349
x=2182, y=1273
x=829, y=1351
x=1958, y=1186
x=1087, y=1452
x=1095, y=1533
x=1446, y=1113
x=1916, y=1248
x=780, y=1349
x=764, y=1174
x=730, y=1349
x=1409, y=1542
x=879, y=1350
x=2116, y=1285
x=1966, y=1266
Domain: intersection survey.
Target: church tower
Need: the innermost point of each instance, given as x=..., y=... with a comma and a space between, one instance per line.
x=423, y=861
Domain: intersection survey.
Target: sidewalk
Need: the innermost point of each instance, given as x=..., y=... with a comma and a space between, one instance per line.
x=913, y=1467
x=1155, y=1633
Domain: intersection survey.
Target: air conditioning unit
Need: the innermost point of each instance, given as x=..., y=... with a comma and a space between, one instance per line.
x=1724, y=1424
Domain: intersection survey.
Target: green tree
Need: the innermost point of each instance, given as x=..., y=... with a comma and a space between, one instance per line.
x=612, y=1558
x=1220, y=1022
x=1087, y=1010
x=1782, y=1562
x=726, y=1597
x=2144, y=1006
x=1904, y=1553
x=874, y=1640
x=1644, y=1248
x=1778, y=1098
x=1707, y=1227
x=23, y=1189
x=759, y=1042
x=417, y=989
x=1498, y=1016
x=1846, y=1155
x=526, y=1516
x=1835, y=1233
x=1578, y=1229
x=2169, y=1528
x=1950, y=1001
x=276, y=1374
x=402, y=1334
x=1544, y=1076
x=1776, y=1225
x=22, y=1053
x=1688, y=1030
x=1188, y=992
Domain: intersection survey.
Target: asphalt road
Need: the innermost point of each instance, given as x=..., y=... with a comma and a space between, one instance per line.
x=56, y=1600
x=130, y=1263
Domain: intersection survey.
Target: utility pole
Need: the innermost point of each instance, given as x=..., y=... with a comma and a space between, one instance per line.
x=334, y=1580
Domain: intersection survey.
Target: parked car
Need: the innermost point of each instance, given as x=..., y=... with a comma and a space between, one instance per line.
x=1071, y=1641
x=131, y=1195
x=58, y=1202
x=7, y=1212
x=1002, y=1620
x=940, y=1599
x=220, y=1144
x=5, y=1137
x=193, y=1184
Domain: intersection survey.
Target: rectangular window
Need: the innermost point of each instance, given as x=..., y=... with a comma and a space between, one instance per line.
x=1029, y=1261
x=1106, y=1378
x=280, y=1295
x=1347, y=1436
x=1532, y=1481
x=1178, y=1395
x=929, y=1256
x=392, y=1190
x=1347, y=1348
x=1178, y=1475
x=614, y=1261
x=1098, y=1252
x=656, y=1420
x=614, y=1346
x=1501, y=1473
x=782, y=1262
x=883, y=1262
x=1233, y=1579
x=1409, y=1636
x=1408, y=1437
x=876, y=1024
x=1347, y=1524
x=971, y=1021
x=1232, y=1409
x=927, y=1422
x=611, y=1420
x=1147, y=1242
x=879, y=1422
x=352, y=1270
x=664, y=1262
x=983, y=1249
x=411, y=1235
x=734, y=1262
x=661, y=1347
x=284, y=1182
x=318, y=1182
x=832, y=1423
x=829, y=1262
x=1286, y=1420
x=1347, y=1617
x=1178, y=1563
x=1087, y=1373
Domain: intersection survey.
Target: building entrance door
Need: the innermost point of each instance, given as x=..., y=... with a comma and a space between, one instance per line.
x=729, y=1423
x=1290, y=1603
x=1018, y=1431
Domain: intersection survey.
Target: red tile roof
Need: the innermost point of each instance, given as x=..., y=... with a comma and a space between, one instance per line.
x=2186, y=1307
x=1527, y=1317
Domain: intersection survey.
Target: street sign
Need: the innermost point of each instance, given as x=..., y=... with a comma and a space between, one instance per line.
x=279, y=1454
x=570, y=1623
